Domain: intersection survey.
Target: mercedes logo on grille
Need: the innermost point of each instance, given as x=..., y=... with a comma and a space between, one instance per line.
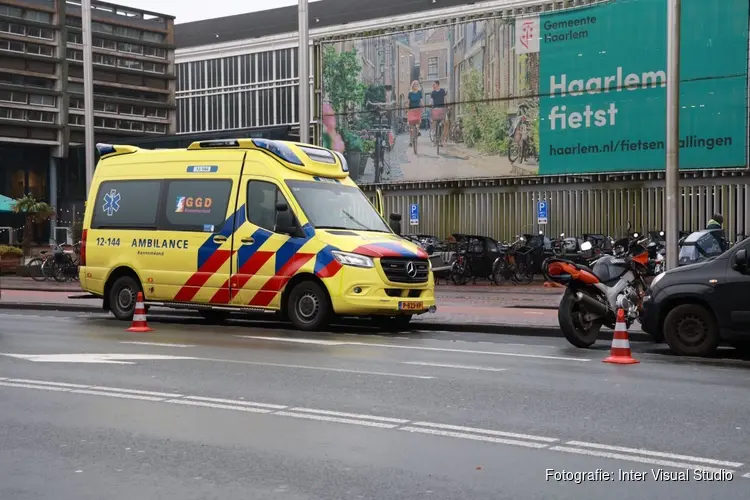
x=411, y=269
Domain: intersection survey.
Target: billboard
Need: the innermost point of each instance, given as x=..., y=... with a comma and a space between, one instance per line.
x=568, y=92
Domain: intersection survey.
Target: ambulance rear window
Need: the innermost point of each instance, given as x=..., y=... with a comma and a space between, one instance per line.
x=127, y=204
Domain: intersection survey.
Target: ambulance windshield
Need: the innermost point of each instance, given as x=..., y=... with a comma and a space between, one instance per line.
x=330, y=205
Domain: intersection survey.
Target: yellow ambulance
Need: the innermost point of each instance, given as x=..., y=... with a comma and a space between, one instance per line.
x=246, y=225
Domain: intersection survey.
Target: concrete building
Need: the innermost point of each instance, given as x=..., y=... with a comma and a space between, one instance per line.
x=41, y=92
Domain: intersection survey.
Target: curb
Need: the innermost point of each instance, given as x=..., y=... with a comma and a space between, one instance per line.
x=47, y=306
x=494, y=329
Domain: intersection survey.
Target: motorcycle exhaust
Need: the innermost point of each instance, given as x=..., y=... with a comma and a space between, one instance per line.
x=594, y=304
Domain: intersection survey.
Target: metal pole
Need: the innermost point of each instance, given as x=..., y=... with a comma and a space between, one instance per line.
x=672, y=175
x=304, y=74
x=88, y=92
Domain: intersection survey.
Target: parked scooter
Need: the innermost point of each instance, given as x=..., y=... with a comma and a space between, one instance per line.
x=594, y=294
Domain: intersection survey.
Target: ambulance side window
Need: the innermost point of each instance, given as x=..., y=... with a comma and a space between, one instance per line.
x=261, y=203
x=127, y=204
x=196, y=204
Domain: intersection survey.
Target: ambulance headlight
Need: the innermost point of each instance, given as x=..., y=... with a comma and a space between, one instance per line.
x=353, y=259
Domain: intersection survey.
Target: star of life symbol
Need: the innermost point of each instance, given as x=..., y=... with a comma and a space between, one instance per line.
x=527, y=33
x=111, y=202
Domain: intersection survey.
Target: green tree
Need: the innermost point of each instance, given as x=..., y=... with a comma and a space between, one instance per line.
x=342, y=86
x=35, y=212
x=485, y=124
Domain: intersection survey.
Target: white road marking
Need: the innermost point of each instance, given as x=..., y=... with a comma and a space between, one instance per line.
x=297, y=341
x=459, y=428
x=319, y=368
x=351, y=415
x=157, y=344
x=535, y=313
x=337, y=420
x=430, y=428
x=636, y=458
x=59, y=384
x=119, y=359
x=475, y=437
x=116, y=395
x=31, y=386
x=236, y=402
x=133, y=391
x=422, y=348
x=217, y=406
x=659, y=454
x=460, y=367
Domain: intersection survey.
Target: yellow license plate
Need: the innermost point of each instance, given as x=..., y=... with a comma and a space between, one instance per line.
x=410, y=306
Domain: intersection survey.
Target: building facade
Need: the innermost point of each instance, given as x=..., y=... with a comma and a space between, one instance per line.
x=41, y=92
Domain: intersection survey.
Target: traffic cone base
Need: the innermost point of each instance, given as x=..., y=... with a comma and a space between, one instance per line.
x=620, y=352
x=140, y=323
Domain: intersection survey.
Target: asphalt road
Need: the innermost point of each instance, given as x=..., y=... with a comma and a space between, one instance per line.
x=194, y=411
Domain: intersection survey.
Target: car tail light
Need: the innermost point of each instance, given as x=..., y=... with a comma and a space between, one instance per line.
x=82, y=261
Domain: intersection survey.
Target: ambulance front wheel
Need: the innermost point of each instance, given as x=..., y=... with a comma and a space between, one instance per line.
x=309, y=307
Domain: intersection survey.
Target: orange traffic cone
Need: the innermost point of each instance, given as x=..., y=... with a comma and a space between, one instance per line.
x=620, y=354
x=140, y=325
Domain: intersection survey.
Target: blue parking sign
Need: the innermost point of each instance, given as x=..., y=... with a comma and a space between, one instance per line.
x=541, y=212
x=414, y=214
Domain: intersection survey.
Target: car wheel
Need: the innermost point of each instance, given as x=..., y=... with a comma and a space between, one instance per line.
x=122, y=297
x=309, y=307
x=691, y=330
x=214, y=316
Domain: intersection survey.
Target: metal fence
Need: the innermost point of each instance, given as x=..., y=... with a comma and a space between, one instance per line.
x=503, y=212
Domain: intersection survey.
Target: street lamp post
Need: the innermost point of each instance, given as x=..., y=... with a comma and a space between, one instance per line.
x=672, y=174
x=304, y=74
x=88, y=92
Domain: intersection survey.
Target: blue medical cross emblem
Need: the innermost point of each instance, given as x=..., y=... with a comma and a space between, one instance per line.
x=111, y=202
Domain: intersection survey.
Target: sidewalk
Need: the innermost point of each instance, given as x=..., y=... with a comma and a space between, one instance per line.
x=530, y=314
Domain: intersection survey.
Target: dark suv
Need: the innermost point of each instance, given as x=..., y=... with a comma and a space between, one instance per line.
x=695, y=307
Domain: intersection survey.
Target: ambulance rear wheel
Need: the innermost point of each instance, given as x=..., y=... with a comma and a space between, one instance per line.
x=308, y=306
x=122, y=297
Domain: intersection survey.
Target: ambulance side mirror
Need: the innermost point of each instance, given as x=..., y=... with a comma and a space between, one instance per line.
x=285, y=223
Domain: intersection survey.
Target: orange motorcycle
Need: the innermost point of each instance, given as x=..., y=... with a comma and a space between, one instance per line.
x=596, y=291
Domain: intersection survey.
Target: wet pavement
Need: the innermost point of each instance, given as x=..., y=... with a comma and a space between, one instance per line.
x=192, y=411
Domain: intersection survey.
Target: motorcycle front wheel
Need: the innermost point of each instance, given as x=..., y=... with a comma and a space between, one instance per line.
x=576, y=330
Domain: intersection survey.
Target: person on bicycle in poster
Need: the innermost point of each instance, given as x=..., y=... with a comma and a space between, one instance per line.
x=438, y=110
x=414, y=115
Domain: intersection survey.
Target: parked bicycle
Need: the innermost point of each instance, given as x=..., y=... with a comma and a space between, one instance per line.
x=516, y=264
x=56, y=264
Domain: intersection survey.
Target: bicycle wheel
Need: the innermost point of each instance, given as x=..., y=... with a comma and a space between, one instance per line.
x=460, y=275
x=36, y=270
x=500, y=273
x=513, y=151
x=58, y=272
x=525, y=272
